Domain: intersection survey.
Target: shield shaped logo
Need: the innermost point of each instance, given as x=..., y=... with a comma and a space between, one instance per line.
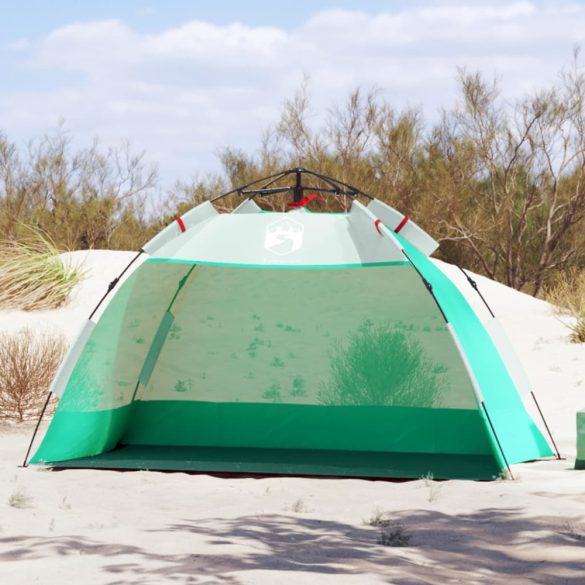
x=284, y=236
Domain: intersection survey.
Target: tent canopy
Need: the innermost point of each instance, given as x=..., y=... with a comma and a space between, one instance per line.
x=291, y=342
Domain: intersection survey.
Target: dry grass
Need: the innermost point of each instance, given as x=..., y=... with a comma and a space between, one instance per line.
x=393, y=534
x=27, y=366
x=567, y=294
x=20, y=499
x=33, y=275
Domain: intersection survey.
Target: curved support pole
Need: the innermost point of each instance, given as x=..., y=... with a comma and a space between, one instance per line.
x=111, y=287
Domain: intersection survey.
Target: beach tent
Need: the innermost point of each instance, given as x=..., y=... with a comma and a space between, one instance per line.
x=291, y=343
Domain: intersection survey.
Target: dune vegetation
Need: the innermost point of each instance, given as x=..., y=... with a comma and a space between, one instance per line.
x=33, y=275
x=499, y=182
x=28, y=362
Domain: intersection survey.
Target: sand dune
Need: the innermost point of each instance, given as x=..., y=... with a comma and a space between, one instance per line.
x=103, y=527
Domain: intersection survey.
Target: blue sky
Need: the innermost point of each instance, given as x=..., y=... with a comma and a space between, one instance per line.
x=37, y=17
x=181, y=79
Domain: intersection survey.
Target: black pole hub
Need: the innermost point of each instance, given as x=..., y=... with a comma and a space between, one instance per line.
x=263, y=187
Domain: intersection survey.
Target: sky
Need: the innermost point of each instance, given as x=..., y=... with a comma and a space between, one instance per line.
x=181, y=79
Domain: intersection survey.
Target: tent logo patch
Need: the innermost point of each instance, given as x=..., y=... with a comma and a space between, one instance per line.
x=284, y=236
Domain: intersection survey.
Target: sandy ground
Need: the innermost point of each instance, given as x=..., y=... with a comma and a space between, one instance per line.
x=100, y=527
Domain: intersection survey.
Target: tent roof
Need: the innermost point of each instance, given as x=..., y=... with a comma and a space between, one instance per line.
x=293, y=238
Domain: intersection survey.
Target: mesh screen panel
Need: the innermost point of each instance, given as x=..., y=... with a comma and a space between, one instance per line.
x=107, y=372
x=369, y=336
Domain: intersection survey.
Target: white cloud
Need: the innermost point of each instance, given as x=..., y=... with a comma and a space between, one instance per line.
x=19, y=44
x=185, y=91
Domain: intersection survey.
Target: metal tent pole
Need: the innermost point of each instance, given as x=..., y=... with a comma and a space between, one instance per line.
x=111, y=287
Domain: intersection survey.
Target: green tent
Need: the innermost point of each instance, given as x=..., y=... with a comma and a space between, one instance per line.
x=291, y=343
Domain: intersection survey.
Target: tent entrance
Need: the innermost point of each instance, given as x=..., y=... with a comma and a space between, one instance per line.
x=302, y=439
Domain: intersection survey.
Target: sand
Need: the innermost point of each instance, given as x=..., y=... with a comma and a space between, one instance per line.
x=102, y=527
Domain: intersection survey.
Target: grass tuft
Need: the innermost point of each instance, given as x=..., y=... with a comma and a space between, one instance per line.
x=394, y=534
x=572, y=532
x=20, y=499
x=299, y=506
x=434, y=487
x=567, y=294
x=33, y=275
x=378, y=518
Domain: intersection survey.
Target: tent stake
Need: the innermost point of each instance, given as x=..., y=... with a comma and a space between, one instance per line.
x=24, y=463
x=558, y=455
x=497, y=440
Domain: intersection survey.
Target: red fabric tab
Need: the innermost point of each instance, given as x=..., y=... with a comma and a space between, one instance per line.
x=401, y=224
x=305, y=200
x=181, y=224
x=377, y=225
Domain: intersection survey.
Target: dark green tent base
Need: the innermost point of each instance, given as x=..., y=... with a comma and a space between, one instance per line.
x=579, y=463
x=290, y=462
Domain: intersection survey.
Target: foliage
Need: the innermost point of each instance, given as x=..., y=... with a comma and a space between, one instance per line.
x=27, y=366
x=32, y=274
x=87, y=198
x=500, y=183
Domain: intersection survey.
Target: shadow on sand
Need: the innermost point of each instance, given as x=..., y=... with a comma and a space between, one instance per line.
x=491, y=546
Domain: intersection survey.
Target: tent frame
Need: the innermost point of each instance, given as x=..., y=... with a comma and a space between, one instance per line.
x=336, y=188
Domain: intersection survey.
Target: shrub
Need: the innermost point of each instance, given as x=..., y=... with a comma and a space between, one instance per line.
x=393, y=534
x=32, y=274
x=27, y=366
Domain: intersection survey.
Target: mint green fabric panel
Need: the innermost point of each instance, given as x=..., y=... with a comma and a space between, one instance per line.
x=106, y=374
x=81, y=434
x=520, y=437
x=301, y=426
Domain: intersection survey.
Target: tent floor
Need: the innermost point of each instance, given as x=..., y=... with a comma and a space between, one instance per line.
x=289, y=462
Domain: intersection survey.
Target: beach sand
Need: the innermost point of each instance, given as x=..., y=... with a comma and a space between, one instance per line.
x=105, y=527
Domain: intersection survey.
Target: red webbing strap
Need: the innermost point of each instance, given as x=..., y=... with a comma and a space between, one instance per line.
x=305, y=200
x=181, y=224
x=377, y=225
x=401, y=224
